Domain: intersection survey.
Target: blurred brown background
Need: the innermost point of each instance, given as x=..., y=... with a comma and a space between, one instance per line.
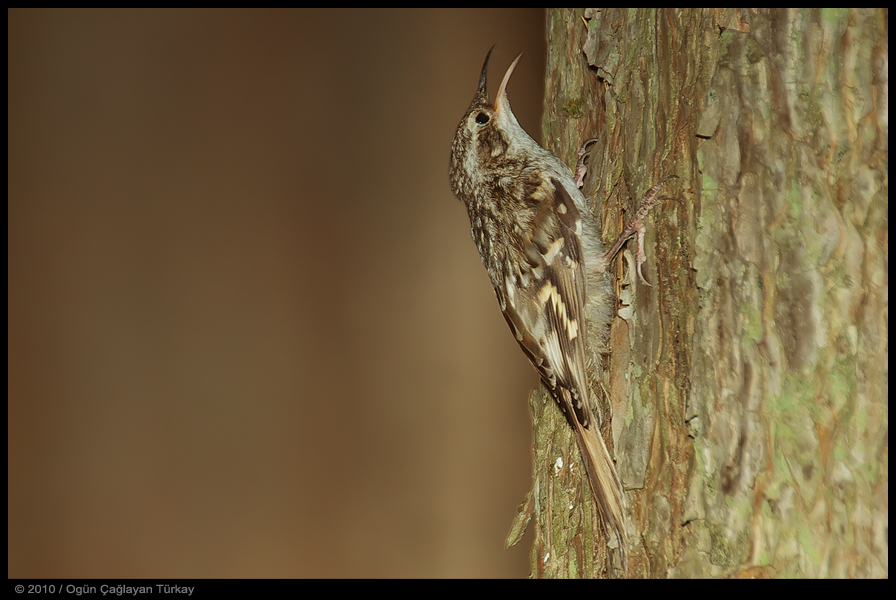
x=249, y=333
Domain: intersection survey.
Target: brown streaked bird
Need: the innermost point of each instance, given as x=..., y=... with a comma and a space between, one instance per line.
x=541, y=246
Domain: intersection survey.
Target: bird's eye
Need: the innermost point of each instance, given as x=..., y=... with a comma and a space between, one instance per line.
x=482, y=118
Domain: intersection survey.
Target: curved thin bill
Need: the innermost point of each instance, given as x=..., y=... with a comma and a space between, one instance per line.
x=502, y=91
x=482, y=92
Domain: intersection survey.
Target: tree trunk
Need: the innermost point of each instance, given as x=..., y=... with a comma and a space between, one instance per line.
x=749, y=381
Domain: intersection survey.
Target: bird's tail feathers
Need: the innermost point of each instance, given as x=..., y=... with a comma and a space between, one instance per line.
x=604, y=480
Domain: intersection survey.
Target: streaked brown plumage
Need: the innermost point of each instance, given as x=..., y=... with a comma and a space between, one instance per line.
x=541, y=247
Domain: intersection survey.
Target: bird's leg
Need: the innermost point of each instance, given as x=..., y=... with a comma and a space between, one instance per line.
x=636, y=227
x=581, y=169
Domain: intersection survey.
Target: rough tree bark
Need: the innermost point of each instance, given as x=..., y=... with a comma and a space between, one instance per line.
x=749, y=383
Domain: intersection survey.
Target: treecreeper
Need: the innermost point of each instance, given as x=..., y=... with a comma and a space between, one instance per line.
x=540, y=243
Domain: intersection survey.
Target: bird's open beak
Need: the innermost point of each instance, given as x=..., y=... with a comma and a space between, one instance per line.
x=482, y=92
x=501, y=98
